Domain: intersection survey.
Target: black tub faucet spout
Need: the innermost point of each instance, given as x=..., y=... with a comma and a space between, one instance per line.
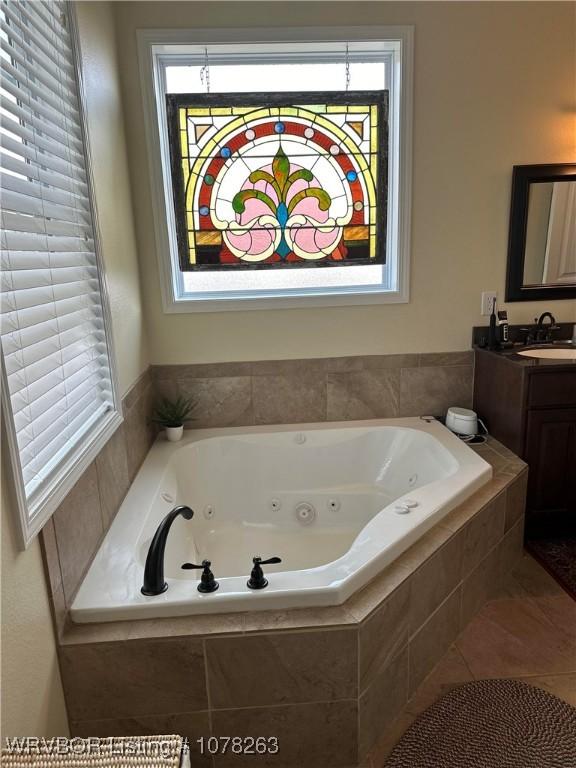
x=154, y=583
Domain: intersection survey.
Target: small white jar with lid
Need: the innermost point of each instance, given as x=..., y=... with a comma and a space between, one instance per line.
x=463, y=421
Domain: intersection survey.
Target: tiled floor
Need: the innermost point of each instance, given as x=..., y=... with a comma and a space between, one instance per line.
x=528, y=632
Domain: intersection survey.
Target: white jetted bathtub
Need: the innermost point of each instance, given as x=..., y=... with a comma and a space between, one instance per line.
x=337, y=502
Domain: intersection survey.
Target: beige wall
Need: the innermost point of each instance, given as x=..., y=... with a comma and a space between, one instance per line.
x=32, y=698
x=494, y=86
x=112, y=186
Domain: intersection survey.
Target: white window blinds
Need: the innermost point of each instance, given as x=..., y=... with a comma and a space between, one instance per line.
x=54, y=338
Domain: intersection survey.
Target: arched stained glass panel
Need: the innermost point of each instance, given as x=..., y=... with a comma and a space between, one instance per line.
x=264, y=181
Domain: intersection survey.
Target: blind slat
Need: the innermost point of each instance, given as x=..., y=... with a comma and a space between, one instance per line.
x=38, y=135
x=17, y=203
x=51, y=28
x=69, y=342
x=61, y=450
x=47, y=298
x=35, y=54
x=30, y=26
x=40, y=119
x=26, y=279
x=27, y=152
x=41, y=75
x=19, y=341
x=54, y=339
x=39, y=99
x=32, y=241
x=59, y=434
x=39, y=387
x=31, y=188
x=29, y=412
x=57, y=420
x=13, y=320
x=69, y=359
x=44, y=260
x=33, y=170
x=32, y=421
x=39, y=224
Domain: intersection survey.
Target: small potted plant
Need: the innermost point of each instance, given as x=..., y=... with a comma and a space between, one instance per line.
x=172, y=415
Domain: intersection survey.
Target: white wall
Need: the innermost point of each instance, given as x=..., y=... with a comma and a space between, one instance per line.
x=32, y=697
x=494, y=86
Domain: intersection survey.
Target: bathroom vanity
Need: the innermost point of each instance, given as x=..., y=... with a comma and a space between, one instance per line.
x=527, y=397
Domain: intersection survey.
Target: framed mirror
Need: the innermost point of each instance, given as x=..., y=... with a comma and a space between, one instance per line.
x=542, y=239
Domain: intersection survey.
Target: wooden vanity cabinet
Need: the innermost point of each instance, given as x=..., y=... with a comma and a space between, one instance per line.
x=532, y=410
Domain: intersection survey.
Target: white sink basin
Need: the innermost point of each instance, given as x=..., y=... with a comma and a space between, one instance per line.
x=554, y=354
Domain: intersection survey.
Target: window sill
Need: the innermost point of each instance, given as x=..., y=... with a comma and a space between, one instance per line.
x=293, y=301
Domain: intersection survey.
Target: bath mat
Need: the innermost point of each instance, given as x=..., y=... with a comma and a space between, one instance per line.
x=558, y=557
x=96, y=752
x=491, y=724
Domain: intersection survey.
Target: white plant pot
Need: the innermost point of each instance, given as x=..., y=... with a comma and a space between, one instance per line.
x=173, y=434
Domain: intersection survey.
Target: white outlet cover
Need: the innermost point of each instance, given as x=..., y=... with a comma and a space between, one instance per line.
x=488, y=298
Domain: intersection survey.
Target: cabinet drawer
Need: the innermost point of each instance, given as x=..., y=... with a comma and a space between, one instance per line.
x=557, y=388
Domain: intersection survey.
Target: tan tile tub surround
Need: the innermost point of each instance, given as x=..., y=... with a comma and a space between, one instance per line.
x=320, y=389
x=324, y=681
x=72, y=536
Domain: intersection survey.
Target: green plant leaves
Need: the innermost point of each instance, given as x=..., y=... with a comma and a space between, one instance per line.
x=173, y=413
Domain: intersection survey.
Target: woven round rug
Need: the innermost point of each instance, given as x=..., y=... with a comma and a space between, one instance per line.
x=491, y=724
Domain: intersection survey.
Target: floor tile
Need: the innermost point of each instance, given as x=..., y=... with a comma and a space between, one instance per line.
x=390, y=738
x=561, y=611
x=512, y=637
x=534, y=580
x=563, y=686
x=450, y=671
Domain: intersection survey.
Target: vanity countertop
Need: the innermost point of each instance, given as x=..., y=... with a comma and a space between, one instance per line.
x=510, y=354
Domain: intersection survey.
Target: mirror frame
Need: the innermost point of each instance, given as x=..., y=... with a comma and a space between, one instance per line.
x=522, y=177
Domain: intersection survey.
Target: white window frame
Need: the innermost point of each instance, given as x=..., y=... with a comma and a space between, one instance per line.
x=153, y=48
x=31, y=517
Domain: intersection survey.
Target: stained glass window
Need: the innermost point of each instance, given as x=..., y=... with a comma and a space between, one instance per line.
x=274, y=181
